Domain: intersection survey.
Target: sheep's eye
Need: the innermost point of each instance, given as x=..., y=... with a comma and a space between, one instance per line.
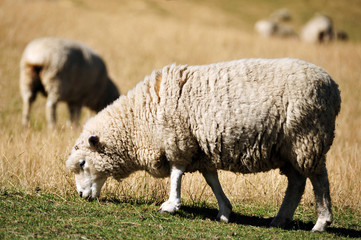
x=82, y=163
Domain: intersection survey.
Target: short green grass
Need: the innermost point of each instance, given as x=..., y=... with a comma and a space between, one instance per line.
x=48, y=216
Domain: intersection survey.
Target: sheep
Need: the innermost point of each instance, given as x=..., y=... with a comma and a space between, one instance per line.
x=319, y=29
x=245, y=116
x=273, y=28
x=64, y=70
x=266, y=28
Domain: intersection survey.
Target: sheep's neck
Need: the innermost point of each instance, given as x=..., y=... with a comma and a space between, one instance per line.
x=136, y=131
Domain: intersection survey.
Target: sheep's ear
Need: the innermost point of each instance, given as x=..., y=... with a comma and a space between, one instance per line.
x=93, y=141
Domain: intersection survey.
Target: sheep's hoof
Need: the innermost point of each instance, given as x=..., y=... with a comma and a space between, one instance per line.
x=223, y=216
x=317, y=230
x=169, y=207
x=321, y=226
x=278, y=222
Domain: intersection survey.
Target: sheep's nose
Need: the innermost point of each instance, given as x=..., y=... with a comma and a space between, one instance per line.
x=81, y=194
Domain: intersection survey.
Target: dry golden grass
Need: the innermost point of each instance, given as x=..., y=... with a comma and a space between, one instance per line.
x=135, y=37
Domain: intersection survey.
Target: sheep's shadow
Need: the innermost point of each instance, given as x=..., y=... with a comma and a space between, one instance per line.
x=211, y=213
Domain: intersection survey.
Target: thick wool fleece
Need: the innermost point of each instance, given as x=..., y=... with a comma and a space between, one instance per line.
x=245, y=116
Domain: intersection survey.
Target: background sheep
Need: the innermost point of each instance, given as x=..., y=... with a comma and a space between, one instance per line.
x=243, y=116
x=318, y=29
x=64, y=70
x=274, y=26
x=266, y=28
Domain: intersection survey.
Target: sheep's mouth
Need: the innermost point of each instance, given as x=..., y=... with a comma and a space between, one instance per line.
x=88, y=198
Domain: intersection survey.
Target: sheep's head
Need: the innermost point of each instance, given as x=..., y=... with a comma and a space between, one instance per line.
x=89, y=177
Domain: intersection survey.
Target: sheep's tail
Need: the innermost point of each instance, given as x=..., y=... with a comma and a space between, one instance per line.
x=32, y=77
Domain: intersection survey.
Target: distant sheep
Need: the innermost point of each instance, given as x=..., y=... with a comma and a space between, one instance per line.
x=266, y=28
x=64, y=70
x=246, y=116
x=274, y=26
x=318, y=30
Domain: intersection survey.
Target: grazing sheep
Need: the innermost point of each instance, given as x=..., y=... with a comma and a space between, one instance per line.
x=272, y=28
x=319, y=29
x=246, y=116
x=64, y=70
x=266, y=28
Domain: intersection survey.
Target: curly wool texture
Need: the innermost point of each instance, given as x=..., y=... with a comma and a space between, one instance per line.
x=245, y=116
x=65, y=70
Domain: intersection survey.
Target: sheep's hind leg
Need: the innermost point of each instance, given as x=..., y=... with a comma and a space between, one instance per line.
x=323, y=201
x=51, y=112
x=294, y=192
x=74, y=111
x=28, y=99
x=29, y=86
x=225, y=207
x=174, y=200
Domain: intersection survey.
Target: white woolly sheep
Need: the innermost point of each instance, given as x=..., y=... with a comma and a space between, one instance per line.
x=246, y=116
x=273, y=28
x=319, y=29
x=266, y=28
x=64, y=70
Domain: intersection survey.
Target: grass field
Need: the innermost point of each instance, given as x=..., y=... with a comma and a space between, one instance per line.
x=135, y=37
x=47, y=216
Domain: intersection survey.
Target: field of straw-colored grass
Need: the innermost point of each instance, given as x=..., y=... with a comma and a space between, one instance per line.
x=135, y=37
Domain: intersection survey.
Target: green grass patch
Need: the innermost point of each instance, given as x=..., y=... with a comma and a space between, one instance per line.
x=48, y=216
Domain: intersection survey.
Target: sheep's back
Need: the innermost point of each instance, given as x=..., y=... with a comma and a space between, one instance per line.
x=242, y=113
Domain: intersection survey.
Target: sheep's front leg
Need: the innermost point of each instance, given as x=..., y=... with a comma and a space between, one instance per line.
x=174, y=200
x=74, y=110
x=225, y=207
